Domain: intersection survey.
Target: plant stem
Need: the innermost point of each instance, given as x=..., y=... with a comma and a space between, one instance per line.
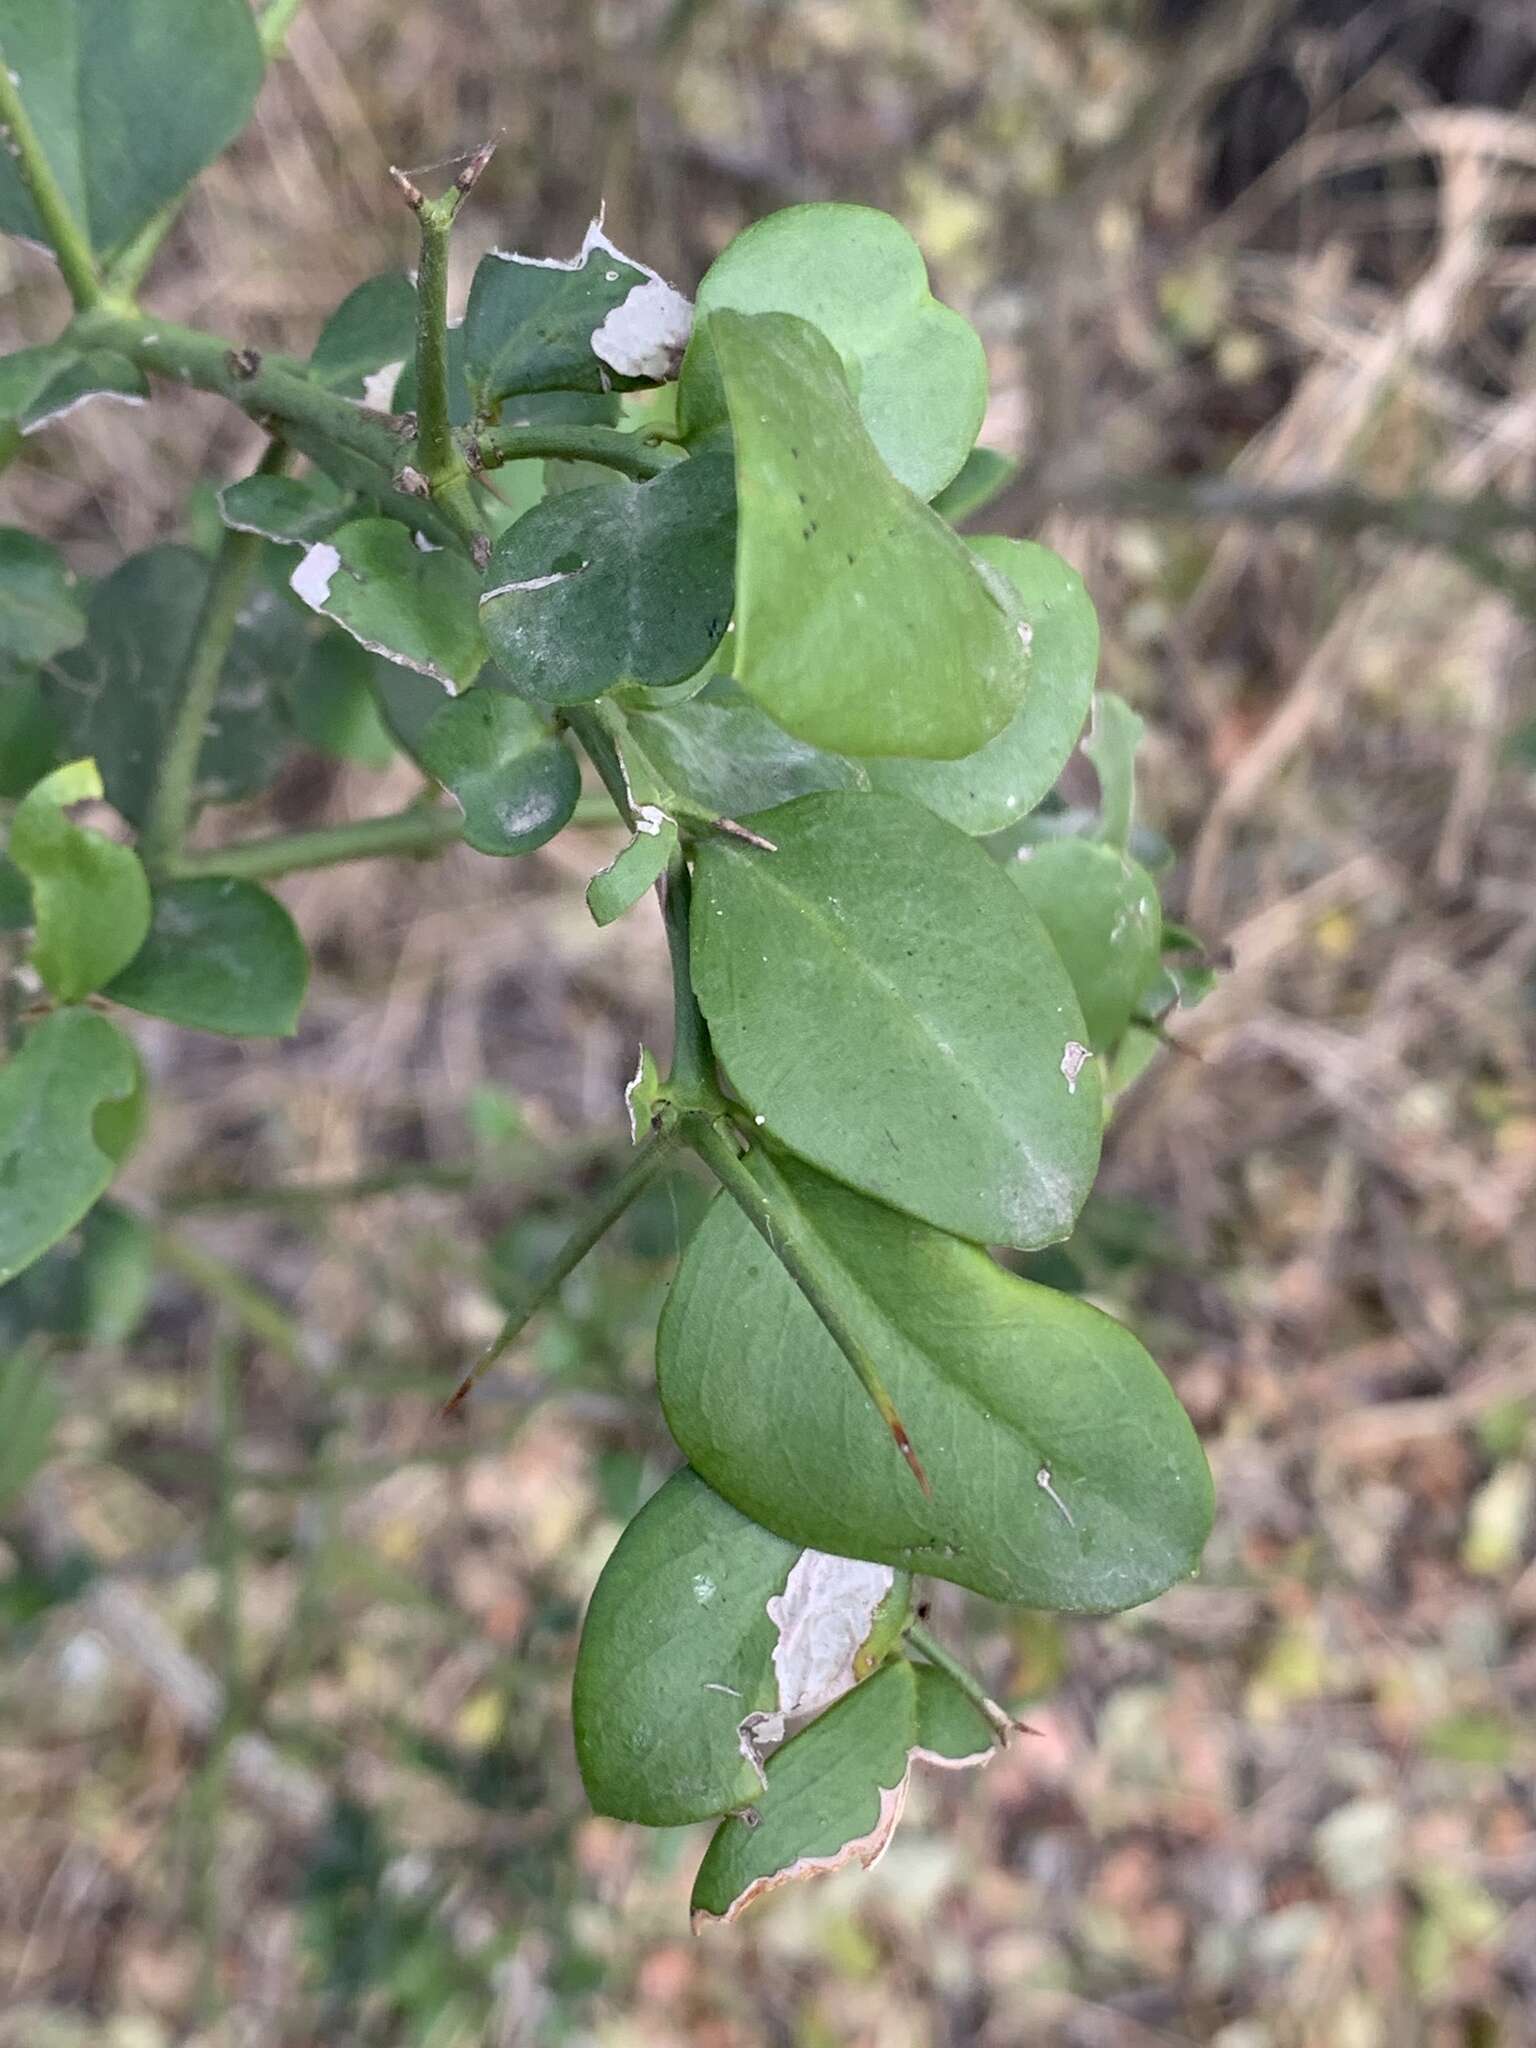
x=267, y=390
x=250, y=1306
x=632, y=454
x=1001, y=1721
x=778, y=1219
x=419, y=830
x=277, y=17
x=175, y=791
x=437, y=454
x=66, y=237
x=693, y=1064
x=601, y=1214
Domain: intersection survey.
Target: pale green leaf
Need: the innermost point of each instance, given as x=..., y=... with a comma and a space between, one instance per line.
x=1102, y=912
x=90, y=896
x=413, y=605
x=634, y=869
x=38, y=385
x=983, y=476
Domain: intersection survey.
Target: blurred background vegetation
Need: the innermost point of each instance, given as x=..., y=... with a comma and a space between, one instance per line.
x=284, y=1738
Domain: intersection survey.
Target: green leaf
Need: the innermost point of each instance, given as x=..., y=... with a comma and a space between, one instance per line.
x=30, y=1408
x=31, y=745
x=636, y=868
x=1102, y=912
x=407, y=702
x=115, y=695
x=1111, y=746
x=983, y=476
x=15, y=898
x=93, y=1287
x=130, y=99
x=597, y=321
x=71, y=1066
x=1064, y=1473
x=331, y=703
x=412, y=605
x=878, y=991
x=515, y=782
x=1011, y=773
x=38, y=611
x=222, y=955
x=368, y=340
x=836, y=1791
x=90, y=896
x=863, y=623
x=610, y=585
x=705, y=1635
x=917, y=369
x=729, y=757
x=39, y=385
x=284, y=508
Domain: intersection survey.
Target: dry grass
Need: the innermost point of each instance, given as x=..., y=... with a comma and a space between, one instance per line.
x=1292, y=1805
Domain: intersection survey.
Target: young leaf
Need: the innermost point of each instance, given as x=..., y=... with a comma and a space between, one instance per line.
x=983, y=476
x=864, y=624
x=705, y=1636
x=1064, y=1473
x=1102, y=912
x=222, y=955
x=106, y=83
x=39, y=385
x=1010, y=774
x=284, y=508
x=39, y=614
x=515, y=782
x=412, y=606
x=917, y=368
x=598, y=320
x=114, y=695
x=836, y=1791
x=879, y=992
x=90, y=896
x=610, y=585
x=54, y=1157
x=636, y=868
x=368, y=340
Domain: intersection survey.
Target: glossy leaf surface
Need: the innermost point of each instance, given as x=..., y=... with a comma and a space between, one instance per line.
x=998, y=1380
x=875, y=993
x=515, y=782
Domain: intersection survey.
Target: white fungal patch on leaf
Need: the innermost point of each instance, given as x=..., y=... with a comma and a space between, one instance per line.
x=647, y=334
x=823, y=1616
x=379, y=387
x=1073, y=1059
x=311, y=581
x=649, y=819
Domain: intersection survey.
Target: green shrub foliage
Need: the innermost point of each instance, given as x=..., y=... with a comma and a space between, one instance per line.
x=706, y=557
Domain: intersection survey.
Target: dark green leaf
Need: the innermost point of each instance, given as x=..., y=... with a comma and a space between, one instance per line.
x=1102, y=912
x=222, y=955
x=538, y=324
x=90, y=896
x=983, y=476
x=368, y=340
x=836, y=1791
x=15, y=898
x=879, y=992
x=1064, y=1473
x=130, y=99
x=863, y=623
x=29, y=1414
x=603, y=586
x=38, y=385
x=515, y=782
x=413, y=605
x=918, y=370
x=331, y=703
x=408, y=702
x=114, y=696
x=92, y=1288
x=705, y=1634
x=1010, y=774
x=39, y=614
x=284, y=508
x=636, y=868
x=52, y=1166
